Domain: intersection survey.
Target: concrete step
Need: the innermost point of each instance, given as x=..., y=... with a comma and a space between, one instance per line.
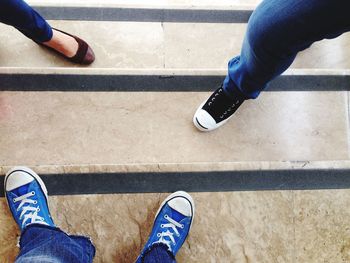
x=266, y=226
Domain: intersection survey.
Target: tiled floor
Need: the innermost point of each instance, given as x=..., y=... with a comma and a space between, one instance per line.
x=288, y=226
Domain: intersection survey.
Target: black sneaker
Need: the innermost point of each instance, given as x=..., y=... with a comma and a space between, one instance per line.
x=216, y=111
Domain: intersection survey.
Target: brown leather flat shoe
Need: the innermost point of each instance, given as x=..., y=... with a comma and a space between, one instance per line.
x=85, y=55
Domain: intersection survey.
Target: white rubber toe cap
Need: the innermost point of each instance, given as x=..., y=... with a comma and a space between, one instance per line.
x=21, y=175
x=181, y=202
x=204, y=121
x=17, y=179
x=181, y=205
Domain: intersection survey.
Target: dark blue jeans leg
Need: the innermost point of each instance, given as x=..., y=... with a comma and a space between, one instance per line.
x=158, y=253
x=19, y=14
x=46, y=244
x=277, y=31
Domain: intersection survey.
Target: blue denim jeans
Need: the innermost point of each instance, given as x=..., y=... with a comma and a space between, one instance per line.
x=277, y=31
x=20, y=15
x=45, y=244
x=158, y=253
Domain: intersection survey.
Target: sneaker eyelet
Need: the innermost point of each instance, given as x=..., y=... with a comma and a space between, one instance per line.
x=14, y=200
x=158, y=235
x=166, y=216
x=35, y=202
x=162, y=225
x=32, y=193
x=38, y=209
x=182, y=226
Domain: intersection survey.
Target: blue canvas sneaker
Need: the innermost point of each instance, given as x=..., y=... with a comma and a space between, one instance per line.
x=172, y=223
x=26, y=196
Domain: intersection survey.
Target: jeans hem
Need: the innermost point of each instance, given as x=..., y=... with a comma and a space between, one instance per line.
x=150, y=248
x=57, y=229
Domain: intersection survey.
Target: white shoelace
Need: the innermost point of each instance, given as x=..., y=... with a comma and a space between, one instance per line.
x=29, y=212
x=172, y=225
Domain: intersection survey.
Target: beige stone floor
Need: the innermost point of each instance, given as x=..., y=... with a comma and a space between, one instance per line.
x=134, y=45
x=242, y=227
x=77, y=128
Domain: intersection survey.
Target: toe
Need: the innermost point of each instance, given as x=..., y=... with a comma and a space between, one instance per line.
x=89, y=57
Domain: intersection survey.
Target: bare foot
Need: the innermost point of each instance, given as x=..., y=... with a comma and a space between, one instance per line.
x=63, y=43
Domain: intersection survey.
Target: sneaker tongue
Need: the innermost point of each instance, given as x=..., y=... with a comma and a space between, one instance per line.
x=221, y=106
x=22, y=190
x=177, y=216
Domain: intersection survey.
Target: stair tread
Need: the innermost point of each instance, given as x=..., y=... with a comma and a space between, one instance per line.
x=74, y=128
x=137, y=45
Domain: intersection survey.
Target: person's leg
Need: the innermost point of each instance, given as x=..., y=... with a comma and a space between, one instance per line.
x=170, y=230
x=277, y=31
x=20, y=15
x=41, y=240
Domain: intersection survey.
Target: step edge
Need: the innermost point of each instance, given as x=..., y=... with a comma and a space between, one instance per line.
x=142, y=5
x=156, y=71
x=185, y=167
